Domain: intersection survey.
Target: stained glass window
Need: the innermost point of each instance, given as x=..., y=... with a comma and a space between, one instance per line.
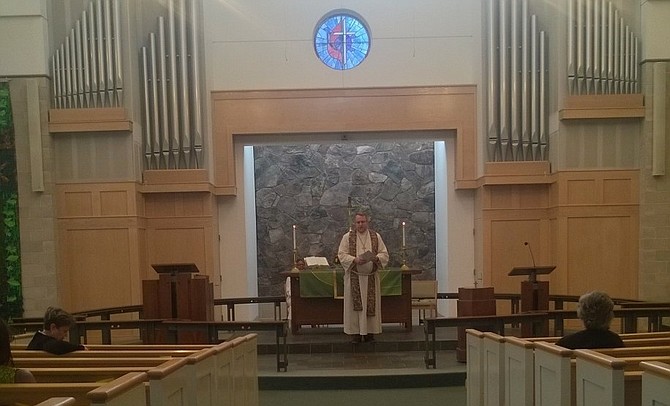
x=342, y=40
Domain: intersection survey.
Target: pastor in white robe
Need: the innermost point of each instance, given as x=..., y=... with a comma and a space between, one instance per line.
x=357, y=322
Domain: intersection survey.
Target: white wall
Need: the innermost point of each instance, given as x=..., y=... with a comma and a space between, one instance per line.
x=655, y=29
x=23, y=38
x=261, y=44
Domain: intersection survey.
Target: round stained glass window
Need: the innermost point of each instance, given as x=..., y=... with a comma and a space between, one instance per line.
x=342, y=40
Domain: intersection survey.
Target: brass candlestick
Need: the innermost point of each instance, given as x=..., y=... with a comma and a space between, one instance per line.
x=404, y=266
x=295, y=261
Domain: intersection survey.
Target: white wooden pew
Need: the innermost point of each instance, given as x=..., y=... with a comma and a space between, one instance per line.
x=129, y=392
x=108, y=394
x=518, y=373
x=599, y=379
x=655, y=383
x=474, y=367
x=224, y=373
x=202, y=366
x=62, y=401
x=552, y=374
x=493, y=382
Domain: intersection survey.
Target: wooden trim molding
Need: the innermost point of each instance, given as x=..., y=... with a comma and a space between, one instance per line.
x=517, y=173
x=175, y=180
x=89, y=120
x=602, y=106
x=239, y=113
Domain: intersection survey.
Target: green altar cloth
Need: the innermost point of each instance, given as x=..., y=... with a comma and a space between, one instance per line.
x=330, y=283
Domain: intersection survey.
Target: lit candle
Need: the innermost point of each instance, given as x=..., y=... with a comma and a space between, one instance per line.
x=403, y=233
x=294, y=243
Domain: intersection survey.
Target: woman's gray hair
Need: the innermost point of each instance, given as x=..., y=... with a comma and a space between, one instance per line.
x=596, y=310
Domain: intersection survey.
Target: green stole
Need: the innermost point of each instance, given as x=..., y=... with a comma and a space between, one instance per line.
x=355, y=284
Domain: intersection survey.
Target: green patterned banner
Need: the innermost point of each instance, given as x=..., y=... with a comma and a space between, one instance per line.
x=330, y=283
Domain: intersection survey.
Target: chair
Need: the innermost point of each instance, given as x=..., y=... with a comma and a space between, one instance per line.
x=424, y=297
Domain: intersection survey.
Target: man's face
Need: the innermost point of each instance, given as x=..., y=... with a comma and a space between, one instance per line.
x=59, y=333
x=361, y=223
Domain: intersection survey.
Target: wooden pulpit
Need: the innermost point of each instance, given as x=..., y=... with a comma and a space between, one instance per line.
x=534, y=297
x=181, y=294
x=472, y=302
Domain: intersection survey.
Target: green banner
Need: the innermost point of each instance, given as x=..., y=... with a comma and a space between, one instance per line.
x=330, y=283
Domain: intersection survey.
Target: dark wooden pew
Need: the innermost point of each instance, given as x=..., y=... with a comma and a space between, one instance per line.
x=494, y=323
x=212, y=329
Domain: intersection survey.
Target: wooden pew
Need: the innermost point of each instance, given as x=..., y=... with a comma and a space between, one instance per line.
x=83, y=374
x=617, y=378
x=655, y=383
x=56, y=362
x=63, y=401
x=212, y=329
x=599, y=380
x=202, y=372
x=130, y=347
x=487, y=381
x=624, y=336
x=494, y=368
x=474, y=367
x=123, y=393
x=495, y=323
x=225, y=374
x=106, y=354
x=518, y=374
x=110, y=394
x=170, y=384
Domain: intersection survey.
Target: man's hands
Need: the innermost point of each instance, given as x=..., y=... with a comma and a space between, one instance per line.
x=360, y=260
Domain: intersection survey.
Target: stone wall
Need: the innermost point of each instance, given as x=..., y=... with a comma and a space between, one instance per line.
x=312, y=186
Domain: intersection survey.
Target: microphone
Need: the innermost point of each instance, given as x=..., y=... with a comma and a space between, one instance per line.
x=531, y=252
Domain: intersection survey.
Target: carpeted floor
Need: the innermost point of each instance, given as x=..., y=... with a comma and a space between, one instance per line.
x=442, y=396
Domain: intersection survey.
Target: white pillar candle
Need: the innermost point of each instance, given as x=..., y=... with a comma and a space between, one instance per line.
x=403, y=233
x=294, y=241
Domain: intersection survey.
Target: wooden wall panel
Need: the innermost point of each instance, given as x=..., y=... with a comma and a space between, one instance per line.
x=581, y=191
x=114, y=203
x=99, y=244
x=182, y=228
x=601, y=255
x=584, y=222
x=76, y=204
x=177, y=245
x=508, y=249
x=98, y=270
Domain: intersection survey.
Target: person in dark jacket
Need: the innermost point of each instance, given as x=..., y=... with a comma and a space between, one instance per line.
x=8, y=372
x=596, y=311
x=57, y=323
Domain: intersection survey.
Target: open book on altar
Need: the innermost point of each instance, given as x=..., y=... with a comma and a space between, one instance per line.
x=316, y=261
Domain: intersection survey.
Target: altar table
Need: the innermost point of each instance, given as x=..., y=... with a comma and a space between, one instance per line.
x=312, y=310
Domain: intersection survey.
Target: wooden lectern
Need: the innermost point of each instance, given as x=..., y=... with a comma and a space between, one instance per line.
x=472, y=302
x=534, y=297
x=179, y=293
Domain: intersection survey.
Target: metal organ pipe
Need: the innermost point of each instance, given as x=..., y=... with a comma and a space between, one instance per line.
x=607, y=55
x=516, y=70
x=174, y=112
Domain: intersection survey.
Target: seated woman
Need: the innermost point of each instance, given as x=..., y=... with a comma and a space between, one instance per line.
x=8, y=373
x=596, y=311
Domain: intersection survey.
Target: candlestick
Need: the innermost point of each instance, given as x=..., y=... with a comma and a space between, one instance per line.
x=295, y=246
x=403, y=233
